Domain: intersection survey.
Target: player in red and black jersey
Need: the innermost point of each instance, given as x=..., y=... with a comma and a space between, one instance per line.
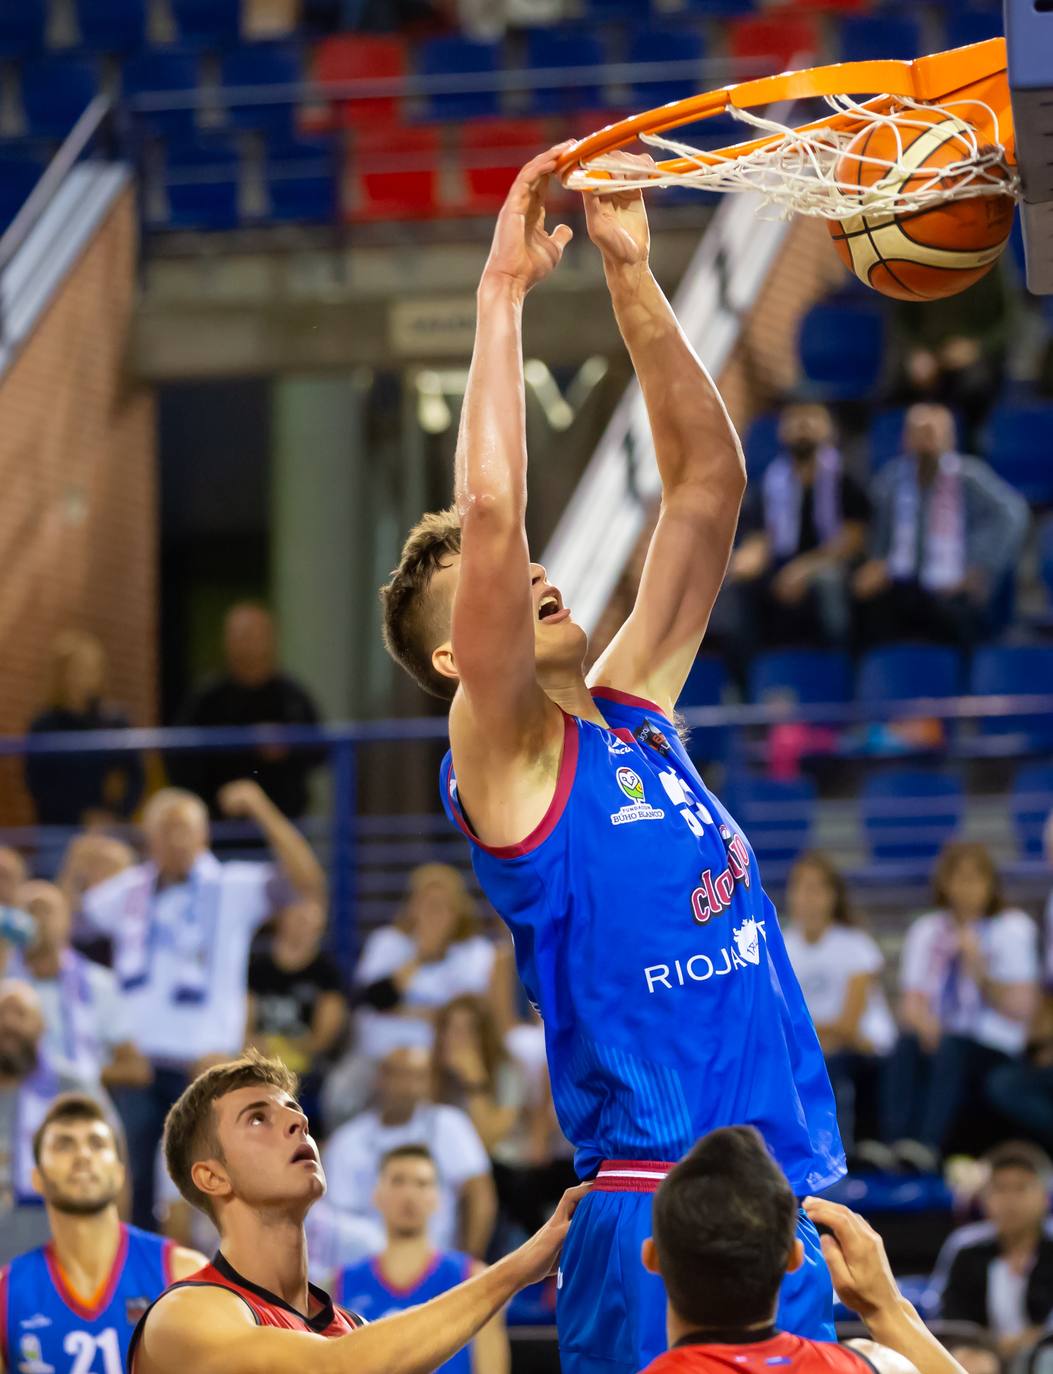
x=725, y=1237
x=238, y=1147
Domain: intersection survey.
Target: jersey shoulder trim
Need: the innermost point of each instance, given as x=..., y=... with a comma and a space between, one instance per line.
x=568, y=765
x=612, y=694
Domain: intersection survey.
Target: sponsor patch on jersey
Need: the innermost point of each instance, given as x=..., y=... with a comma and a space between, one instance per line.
x=631, y=784
x=36, y=1322
x=639, y=808
x=617, y=746
x=700, y=968
x=134, y=1309
x=31, y=1357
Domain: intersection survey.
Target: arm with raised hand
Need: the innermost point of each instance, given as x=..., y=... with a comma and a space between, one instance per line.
x=500, y=714
x=699, y=460
x=290, y=849
x=211, y=1331
x=863, y=1280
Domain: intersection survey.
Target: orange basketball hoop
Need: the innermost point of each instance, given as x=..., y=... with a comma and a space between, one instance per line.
x=796, y=169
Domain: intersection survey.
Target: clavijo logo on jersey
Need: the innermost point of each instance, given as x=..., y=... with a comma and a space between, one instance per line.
x=639, y=809
x=715, y=891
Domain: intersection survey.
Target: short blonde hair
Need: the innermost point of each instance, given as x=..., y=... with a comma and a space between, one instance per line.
x=173, y=796
x=413, y=624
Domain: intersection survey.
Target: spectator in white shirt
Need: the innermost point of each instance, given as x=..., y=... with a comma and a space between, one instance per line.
x=181, y=926
x=968, y=987
x=435, y=951
x=405, y=1115
x=86, y=1029
x=839, y=967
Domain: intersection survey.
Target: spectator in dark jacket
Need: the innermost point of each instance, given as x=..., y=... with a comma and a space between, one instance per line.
x=945, y=536
x=999, y=1272
x=67, y=789
x=252, y=691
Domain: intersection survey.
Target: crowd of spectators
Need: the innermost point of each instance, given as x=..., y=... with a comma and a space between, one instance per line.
x=925, y=550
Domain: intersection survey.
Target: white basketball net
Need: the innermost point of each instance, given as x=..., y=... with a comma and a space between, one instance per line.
x=797, y=171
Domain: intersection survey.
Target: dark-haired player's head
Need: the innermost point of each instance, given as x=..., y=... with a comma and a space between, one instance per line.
x=417, y=610
x=407, y=1191
x=1016, y=1195
x=77, y=1158
x=724, y=1234
x=237, y=1138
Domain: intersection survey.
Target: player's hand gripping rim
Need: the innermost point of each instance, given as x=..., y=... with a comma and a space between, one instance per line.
x=523, y=253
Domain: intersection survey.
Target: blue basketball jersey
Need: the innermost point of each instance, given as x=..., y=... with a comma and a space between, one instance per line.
x=46, y=1328
x=364, y=1288
x=655, y=958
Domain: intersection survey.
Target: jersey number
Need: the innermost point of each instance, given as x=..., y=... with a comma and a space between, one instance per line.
x=82, y=1345
x=691, y=809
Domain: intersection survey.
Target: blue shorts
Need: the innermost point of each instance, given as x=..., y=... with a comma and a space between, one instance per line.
x=610, y=1312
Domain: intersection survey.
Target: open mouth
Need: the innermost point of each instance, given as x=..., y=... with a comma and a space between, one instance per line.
x=551, y=608
x=303, y=1153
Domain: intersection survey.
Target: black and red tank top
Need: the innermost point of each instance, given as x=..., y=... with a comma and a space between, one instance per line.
x=762, y=1352
x=267, y=1308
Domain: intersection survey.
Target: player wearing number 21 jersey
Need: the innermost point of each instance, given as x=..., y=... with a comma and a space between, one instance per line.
x=70, y=1307
x=642, y=932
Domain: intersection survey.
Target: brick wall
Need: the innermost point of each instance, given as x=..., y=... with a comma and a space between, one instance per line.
x=78, y=520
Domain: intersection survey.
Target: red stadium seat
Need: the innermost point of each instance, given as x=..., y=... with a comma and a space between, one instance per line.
x=491, y=152
x=395, y=173
x=359, y=57
x=774, y=42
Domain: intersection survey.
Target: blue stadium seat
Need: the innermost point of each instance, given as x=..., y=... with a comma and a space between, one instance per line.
x=22, y=27
x=868, y=36
x=450, y=56
x=842, y=349
x=972, y=26
x=720, y=8
x=776, y=814
x=201, y=182
x=901, y=672
x=1015, y=670
x=606, y=11
x=162, y=73
x=112, y=26
x=303, y=182
x=1031, y=802
x=706, y=683
x=808, y=676
x=19, y=173
x=55, y=93
x=549, y=50
x=910, y=814
x=259, y=65
x=1045, y=556
x=656, y=47
x=761, y=443
x=1020, y=441
x=208, y=23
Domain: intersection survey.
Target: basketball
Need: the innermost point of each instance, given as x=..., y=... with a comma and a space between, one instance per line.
x=918, y=255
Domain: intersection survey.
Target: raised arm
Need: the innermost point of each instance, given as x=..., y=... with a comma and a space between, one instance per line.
x=211, y=1331
x=699, y=460
x=493, y=607
x=291, y=851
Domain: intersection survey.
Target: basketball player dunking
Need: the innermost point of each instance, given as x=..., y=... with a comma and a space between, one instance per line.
x=73, y=1304
x=238, y=1147
x=641, y=929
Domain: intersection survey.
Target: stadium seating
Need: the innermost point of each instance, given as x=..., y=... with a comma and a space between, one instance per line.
x=706, y=683
x=491, y=153
x=868, y=36
x=112, y=26
x=776, y=814
x=202, y=184
x=303, y=184
x=55, y=93
x=397, y=174
x=807, y=676
x=22, y=26
x=653, y=47
x=454, y=56
x=1031, y=802
x=208, y=23
x=909, y=814
x=782, y=41
x=842, y=349
x=173, y=73
x=761, y=443
x=972, y=26
x=355, y=57
x=885, y=438
x=1019, y=443
x=1045, y=557
x=19, y=173
x=901, y=672
x=560, y=50
x=255, y=66
x=1015, y=670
